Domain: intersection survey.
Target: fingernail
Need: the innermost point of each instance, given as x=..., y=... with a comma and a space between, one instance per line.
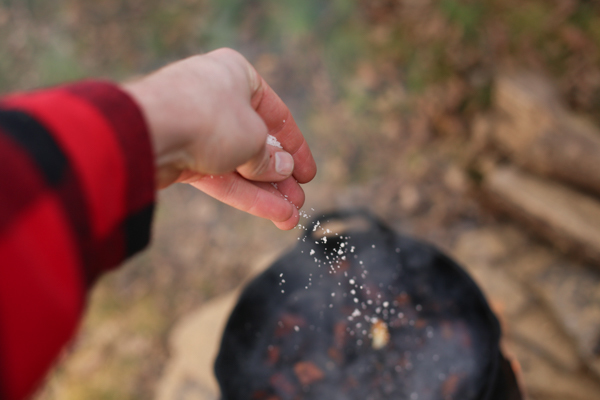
x=284, y=163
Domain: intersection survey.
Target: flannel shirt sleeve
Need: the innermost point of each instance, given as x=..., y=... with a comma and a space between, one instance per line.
x=77, y=196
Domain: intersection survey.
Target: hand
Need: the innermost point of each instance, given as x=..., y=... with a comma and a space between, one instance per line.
x=209, y=117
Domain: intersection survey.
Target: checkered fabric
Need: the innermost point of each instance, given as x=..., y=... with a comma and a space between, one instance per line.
x=76, y=198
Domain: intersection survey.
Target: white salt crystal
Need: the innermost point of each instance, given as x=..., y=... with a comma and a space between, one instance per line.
x=272, y=141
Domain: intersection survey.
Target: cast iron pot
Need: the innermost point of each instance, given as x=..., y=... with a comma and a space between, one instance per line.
x=364, y=314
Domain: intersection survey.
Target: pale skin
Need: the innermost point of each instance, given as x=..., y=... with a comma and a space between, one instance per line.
x=209, y=117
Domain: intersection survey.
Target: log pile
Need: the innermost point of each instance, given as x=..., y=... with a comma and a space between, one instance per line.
x=542, y=170
x=552, y=182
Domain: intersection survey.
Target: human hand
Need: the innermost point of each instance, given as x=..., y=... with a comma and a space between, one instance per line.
x=209, y=117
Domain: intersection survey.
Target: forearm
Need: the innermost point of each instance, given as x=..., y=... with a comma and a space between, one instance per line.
x=77, y=182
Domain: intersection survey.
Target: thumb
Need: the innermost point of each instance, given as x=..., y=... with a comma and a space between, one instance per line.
x=270, y=164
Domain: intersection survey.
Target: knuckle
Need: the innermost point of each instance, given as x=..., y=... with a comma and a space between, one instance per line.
x=262, y=165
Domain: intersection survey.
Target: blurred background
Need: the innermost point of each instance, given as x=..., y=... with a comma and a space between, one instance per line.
x=471, y=124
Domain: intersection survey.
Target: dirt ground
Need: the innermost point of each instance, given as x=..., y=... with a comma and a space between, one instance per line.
x=385, y=92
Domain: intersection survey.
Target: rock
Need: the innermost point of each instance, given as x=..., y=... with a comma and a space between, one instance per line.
x=545, y=382
x=573, y=293
x=507, y=297
x=479, y=251
x=529, y=262
x=536, y=130
x=194, y=344
x=569, y=219
x=537, y=329
x=480, y=246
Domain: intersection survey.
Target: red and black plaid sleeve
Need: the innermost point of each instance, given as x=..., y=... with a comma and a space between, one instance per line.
x=76, y=198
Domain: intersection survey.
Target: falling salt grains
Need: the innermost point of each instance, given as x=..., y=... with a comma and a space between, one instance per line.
x=297, y=328
x=312, y=252
x=272, y=141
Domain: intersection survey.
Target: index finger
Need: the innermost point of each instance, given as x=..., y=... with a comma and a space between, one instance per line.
x=281, y=124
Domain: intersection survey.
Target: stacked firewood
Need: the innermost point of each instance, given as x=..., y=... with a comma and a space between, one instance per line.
x=538, y=164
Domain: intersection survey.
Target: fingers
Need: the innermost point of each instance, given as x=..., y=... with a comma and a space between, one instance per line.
x=257, y=198
x=282, y=125
x=289, y=189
